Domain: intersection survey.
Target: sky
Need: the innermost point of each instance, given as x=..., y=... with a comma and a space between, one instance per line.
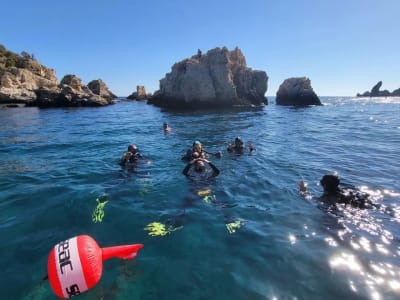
x=343, y=46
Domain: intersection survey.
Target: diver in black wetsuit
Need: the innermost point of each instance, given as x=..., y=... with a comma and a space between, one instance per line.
x=238, y=146
x=333, y=194
x=196, y=148
x=200, y=170
x=197, y=170
x=131, y=156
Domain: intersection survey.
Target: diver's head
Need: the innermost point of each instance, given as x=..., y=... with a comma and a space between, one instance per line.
x=238, y=142
x=195, y=154
x=330, y=183
x=197, y=146
x=165, y=125
x=199, y=166
x=133, y=148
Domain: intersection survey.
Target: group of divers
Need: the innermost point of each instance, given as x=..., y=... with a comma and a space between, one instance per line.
x=198, y=159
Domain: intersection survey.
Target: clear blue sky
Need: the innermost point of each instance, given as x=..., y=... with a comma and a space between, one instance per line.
x=343, y=46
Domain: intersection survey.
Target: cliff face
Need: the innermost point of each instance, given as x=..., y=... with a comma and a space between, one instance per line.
x=24, y=80
x=21, y=75
x=220, y=78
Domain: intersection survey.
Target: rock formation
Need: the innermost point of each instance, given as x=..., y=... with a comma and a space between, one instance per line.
x=376, y=92
x=98, y=87
x=396, y=93
x=21, y=75
x=70, y=93
x=140, y=94
x=219, y=78
x=297, y=91
x=24, y=80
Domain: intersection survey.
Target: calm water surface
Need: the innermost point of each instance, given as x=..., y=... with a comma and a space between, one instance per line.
x=54, y=163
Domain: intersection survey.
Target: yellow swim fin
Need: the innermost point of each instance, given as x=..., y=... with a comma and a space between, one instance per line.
x=159, y=229
x=233, y=226
x=98, y=213
x=204, y=192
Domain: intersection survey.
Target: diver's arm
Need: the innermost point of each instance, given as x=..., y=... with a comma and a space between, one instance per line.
x=303, y=190
x=302, y=186
x=251, y=146
x=124, y=159
x=214, y=168
x=204, y=154
x=187, y=168
x=187, y=155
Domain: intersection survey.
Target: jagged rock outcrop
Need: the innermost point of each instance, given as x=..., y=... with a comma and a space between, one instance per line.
x=297, y=91
x=21, y=75
x=140, y=94
x=396, y=93
x=219, y=78
x=376, y=92
x=376, y=88
x=70, y=93
x=98, y=87
x=24, y=80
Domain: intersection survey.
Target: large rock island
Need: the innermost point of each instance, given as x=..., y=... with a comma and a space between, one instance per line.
x=24, y=80
x=376, y=92
x=219, y=78
x=297, y=91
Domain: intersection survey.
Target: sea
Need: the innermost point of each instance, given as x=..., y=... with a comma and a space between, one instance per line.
x=246, y=234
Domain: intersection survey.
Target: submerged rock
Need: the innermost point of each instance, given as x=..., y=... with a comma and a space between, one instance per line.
x=219, y=78
x=297, y=91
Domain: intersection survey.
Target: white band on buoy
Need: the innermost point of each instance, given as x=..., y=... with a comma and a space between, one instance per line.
x=69, y=268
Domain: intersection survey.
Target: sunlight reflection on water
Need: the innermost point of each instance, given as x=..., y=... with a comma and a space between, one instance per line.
x=374, y=271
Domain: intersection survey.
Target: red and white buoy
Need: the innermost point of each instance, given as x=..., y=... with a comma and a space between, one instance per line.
x=76, y=265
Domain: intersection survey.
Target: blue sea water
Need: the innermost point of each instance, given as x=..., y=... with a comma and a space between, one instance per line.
x=55, y=163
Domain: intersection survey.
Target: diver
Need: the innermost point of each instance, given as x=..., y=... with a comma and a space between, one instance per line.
x=131, y=156
x=196, y=148
x=333, y=194
x=166, y=127
x=238, y=146
x=199, y=190
x=200, y=172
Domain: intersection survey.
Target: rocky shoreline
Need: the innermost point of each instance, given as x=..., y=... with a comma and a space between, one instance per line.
x=217, y=79
x=23, y=80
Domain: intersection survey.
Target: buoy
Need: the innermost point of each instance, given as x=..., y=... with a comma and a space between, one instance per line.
x=75, y=265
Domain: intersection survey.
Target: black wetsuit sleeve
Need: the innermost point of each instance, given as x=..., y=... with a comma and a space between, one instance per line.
x=214, y=168
x=122, y=160
x=186, y=169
